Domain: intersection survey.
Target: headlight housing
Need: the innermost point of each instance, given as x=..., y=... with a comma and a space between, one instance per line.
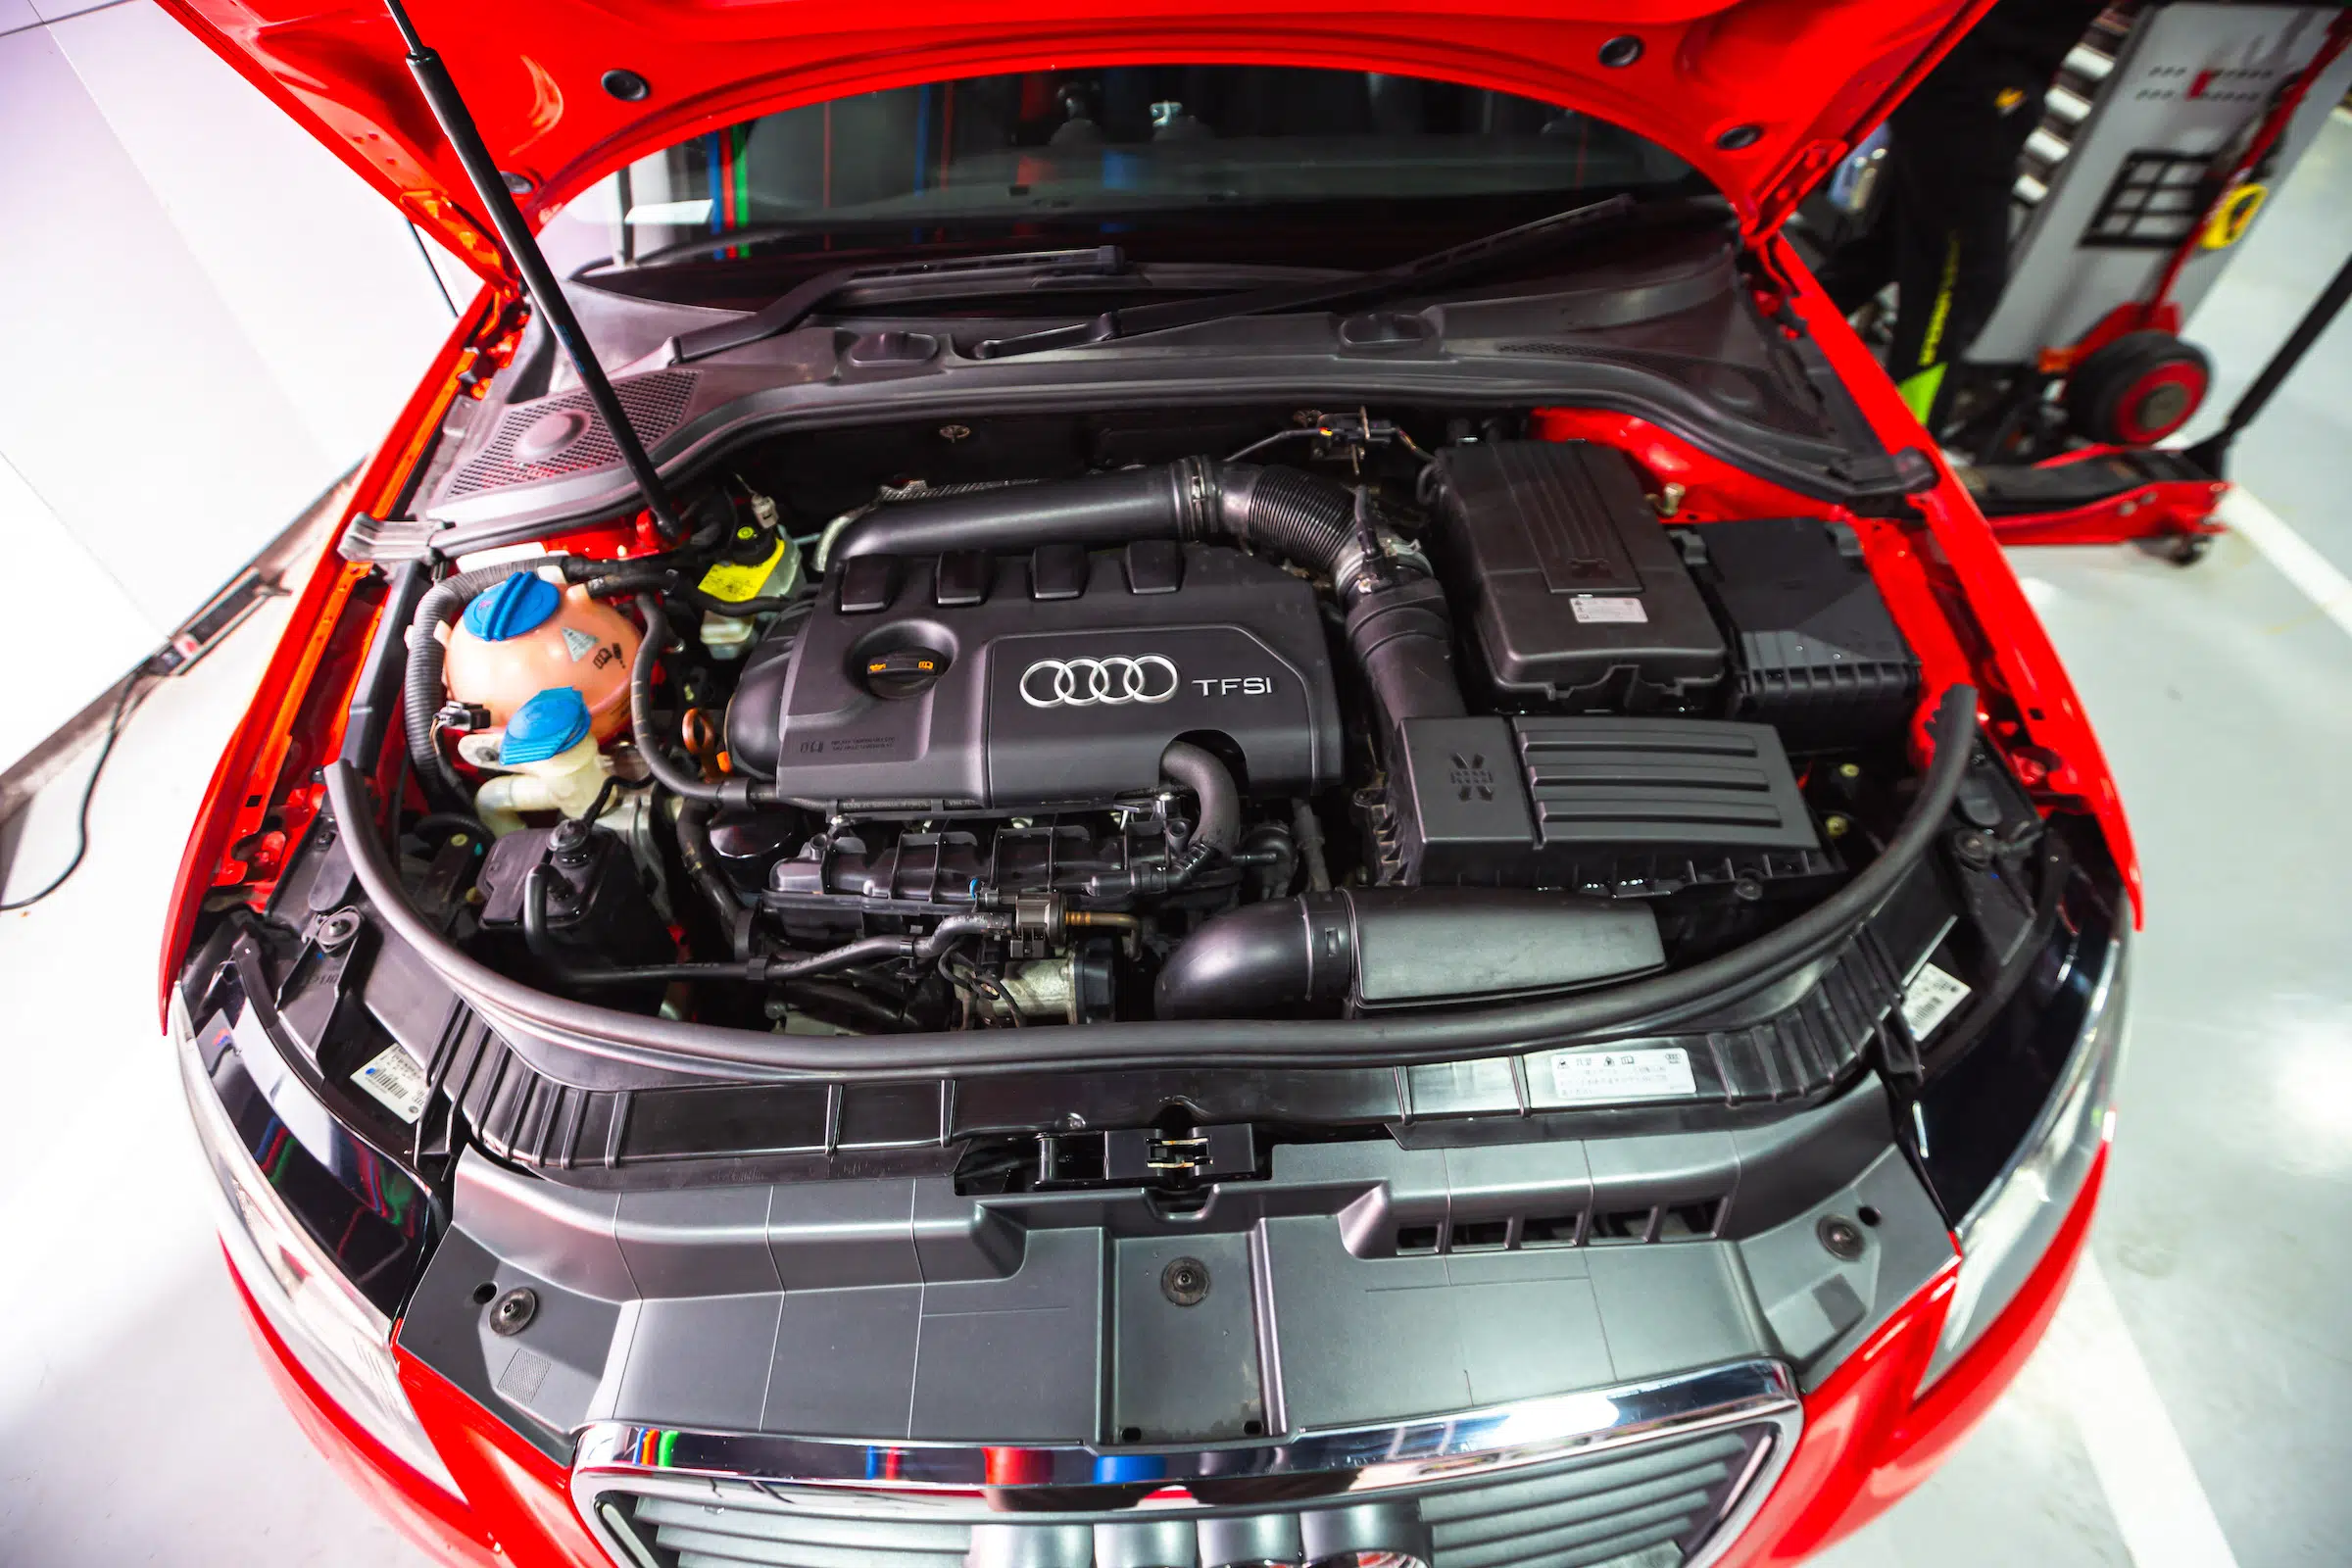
x=2007, y=1230
x=341, y=1338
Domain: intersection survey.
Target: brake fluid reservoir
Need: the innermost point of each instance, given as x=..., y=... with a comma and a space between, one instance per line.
x=761, y=563
x=525, y=635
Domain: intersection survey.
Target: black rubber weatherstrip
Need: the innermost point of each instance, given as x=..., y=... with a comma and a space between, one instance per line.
x=673, y=1045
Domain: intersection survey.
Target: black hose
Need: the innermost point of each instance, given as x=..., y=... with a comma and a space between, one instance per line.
x=1282, y=510
x=607, y=582
x=421, y=707
x=675, y=776
x=541, y=942
x=665, y=1045
x=1218, y=827
x=671, y=774
x=696, y=856
x=1397, y=626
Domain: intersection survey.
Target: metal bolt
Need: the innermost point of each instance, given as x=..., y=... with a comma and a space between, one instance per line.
x=337, y=929
x=954, y=432
x=1840, y=1237
x=1849, y=770
x=1747, y=889
x=1835, y=826
x=514, y=1312
x=1974, y=850
x=1185, y=1282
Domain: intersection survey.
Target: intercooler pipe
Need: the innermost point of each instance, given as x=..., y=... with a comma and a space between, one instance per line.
x=1397, y=627
x=1364, y=949
x=420, y=706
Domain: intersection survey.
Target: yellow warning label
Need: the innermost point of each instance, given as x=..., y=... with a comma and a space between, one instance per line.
x=735, y=583
x=2231, y=220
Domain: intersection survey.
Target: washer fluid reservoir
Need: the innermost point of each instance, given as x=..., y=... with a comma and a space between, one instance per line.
x=525, y=635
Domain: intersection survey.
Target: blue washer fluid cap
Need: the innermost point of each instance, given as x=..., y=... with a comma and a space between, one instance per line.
x=551, y=723
x=513, y=606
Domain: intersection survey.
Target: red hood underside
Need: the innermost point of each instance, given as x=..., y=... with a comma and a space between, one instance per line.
x=1762, y=96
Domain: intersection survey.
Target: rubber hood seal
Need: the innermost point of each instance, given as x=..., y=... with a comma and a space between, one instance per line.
x=675, y=1046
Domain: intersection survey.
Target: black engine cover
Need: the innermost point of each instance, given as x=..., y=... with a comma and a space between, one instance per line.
x=1052, y=679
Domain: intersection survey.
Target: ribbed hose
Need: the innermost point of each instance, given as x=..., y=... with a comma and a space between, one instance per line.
x=1287, y=513
x=420, y=708
x=1281, y=511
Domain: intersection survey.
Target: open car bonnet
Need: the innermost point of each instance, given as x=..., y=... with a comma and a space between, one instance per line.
x=1761, y=96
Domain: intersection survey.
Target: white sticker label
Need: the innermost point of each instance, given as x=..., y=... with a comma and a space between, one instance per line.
x=1929, y=1000
x=579, y=642
x=395, y=1079
x=1591, y=1077
x=1590, y=609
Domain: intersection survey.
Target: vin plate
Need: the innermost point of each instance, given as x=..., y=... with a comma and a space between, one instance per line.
x=1593, y=1077
x=395, y=1079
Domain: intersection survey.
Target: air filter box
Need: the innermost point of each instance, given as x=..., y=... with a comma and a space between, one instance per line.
x=1579, y=599
x=1814, y=652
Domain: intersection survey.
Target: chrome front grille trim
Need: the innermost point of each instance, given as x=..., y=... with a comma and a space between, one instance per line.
x=919, y=1487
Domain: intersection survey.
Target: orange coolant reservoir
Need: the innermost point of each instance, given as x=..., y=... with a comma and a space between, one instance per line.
x=525, y=635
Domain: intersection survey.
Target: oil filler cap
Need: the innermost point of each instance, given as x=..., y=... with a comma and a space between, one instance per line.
x=550, y=724
x=904, y=672
x=511, y=608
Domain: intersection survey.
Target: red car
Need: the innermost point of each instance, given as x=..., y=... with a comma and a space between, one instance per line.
x=1166, y=790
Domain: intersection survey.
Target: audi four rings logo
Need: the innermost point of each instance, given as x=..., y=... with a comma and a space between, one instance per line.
x=1098, y=682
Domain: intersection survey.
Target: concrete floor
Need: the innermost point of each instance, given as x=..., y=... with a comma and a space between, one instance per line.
x=2196, y=1377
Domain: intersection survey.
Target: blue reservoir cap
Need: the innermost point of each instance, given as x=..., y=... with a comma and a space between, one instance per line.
x=551, y=723
x=511, y=607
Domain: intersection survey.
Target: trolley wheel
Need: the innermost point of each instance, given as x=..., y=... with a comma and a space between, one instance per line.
x=2189, y=549
x=2139, y=389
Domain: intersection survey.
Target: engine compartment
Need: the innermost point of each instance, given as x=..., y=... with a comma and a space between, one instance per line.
x=1374, y=714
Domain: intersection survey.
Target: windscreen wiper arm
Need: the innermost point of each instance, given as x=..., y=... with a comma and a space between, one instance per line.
x=1422, y=270
x=787, y=310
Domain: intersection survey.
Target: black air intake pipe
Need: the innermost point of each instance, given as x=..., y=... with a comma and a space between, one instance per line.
x=1396, y=622
x=1362, y=950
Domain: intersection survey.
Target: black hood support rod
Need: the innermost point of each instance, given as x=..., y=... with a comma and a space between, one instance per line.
x=547, y=294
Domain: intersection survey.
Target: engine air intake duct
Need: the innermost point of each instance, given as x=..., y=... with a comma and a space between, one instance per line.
x=1369, y=949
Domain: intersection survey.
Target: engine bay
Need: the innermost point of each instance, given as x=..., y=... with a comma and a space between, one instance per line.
x=1378, y=712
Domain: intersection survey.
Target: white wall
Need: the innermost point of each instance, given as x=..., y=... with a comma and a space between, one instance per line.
x=205, y=317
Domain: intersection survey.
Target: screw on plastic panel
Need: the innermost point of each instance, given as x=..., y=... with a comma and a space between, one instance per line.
x=1621, y=51
x=1740, y=136
x=627, y=87
x=337, y=929
x=1840, y=1237
x=515, y=1310
x=1185, y=1282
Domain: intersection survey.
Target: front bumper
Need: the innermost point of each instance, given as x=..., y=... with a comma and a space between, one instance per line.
x=579, y=1442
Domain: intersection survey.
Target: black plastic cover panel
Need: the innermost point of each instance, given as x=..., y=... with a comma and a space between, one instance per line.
x=1055, y=689
x=1621, y=805
x=1579, y=600
x=1814, y=650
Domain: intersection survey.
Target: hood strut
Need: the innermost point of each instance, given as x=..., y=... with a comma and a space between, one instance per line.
x=547, y=294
